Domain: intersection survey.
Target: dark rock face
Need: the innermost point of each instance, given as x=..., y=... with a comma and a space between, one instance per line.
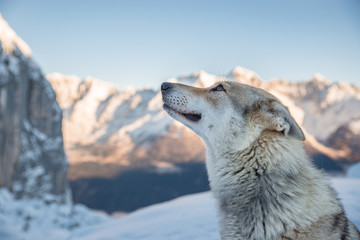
x=32, y=158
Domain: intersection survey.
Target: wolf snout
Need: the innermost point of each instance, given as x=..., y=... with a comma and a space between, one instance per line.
x=166, y=86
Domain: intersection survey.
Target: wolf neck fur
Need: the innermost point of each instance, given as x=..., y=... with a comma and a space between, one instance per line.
x=264, y=203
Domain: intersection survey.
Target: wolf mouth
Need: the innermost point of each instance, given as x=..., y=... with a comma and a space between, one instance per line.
x=190, y=116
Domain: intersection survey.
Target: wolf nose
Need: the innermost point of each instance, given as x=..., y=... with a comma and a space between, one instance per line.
x=166, y=86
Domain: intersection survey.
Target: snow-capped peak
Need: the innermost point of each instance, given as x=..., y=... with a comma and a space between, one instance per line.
x=244, y=73
x=205, y=79
x=246, y=76
x=10, y=41
x=199, y=79
x=319, y=78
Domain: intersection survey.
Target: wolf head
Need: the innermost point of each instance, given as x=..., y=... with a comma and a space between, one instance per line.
x=228, y=112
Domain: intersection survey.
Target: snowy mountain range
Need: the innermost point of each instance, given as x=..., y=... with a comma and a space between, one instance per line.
x=128, y=129
x=122, y=129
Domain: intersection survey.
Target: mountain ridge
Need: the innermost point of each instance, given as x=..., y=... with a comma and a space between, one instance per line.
x=130, y=124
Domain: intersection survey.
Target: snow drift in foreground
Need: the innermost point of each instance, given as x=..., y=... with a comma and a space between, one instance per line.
x=36, y=219
x=192, y=217
x=189, y=217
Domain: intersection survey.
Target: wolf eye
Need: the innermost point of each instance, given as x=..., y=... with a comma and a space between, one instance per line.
x=218, y=88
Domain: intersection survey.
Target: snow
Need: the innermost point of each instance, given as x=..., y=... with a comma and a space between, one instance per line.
x=199, y=79
x=354, y=171
x=243, y=73
x=349, y=194
x=10, y=41
x=188, y=217
x=193, y=217
x=354, y=126
x=42, y=219
x=327, y=106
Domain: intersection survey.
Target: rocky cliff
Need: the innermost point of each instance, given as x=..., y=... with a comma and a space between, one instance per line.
x=35, y=197
x=33, y=163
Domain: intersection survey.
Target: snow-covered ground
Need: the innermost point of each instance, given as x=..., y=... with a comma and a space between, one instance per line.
x=354, y=171
x=37, y=219
x=193, y=217
x=189, y=217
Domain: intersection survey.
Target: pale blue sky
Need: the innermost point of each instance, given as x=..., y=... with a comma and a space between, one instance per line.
x=143, y=43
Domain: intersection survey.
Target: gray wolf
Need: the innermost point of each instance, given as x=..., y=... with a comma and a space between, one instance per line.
x=265, y=185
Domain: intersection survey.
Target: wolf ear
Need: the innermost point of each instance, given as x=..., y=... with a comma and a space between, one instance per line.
x=279, y=119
